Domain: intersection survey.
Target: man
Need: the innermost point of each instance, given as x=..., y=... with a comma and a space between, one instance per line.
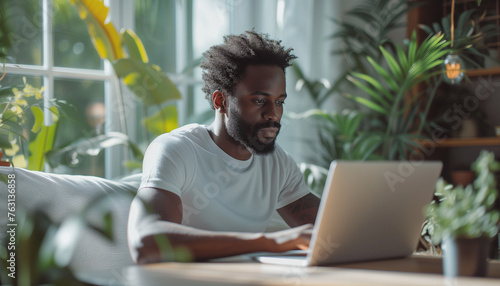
x=212, y=189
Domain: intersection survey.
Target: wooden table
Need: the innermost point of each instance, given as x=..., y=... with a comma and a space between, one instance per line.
x=414, y=270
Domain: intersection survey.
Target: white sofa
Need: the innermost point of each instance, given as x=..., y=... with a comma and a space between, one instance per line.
x=62, y=195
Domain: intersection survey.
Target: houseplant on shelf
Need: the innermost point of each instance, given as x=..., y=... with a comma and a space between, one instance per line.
x=464, y=218
x=402, y=113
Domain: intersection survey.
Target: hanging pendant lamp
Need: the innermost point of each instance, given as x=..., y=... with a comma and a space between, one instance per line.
x=453, y=64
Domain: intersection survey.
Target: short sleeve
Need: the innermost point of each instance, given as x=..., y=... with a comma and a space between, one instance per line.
x=294, y=186
x=164, y=164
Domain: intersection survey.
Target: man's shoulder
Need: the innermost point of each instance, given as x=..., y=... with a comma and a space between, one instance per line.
x=186, y=132
x=181, y=137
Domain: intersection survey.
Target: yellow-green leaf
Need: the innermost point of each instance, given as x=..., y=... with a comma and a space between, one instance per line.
x=134, y=45
x=164, y=121
x=38, y=114
x=43, y=143
x=103, y=34
x=146, y=81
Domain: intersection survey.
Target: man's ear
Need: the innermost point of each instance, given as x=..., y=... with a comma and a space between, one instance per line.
x=220, y=101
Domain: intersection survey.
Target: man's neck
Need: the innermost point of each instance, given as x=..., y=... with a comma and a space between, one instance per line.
x=219, y=135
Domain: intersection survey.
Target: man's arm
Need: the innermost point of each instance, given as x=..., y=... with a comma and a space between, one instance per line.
x=302, y=211
x=158, y=213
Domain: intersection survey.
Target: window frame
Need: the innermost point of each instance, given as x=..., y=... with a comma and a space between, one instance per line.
x=120, y=16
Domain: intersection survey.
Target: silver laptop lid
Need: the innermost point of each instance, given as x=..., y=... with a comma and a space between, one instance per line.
x=372, y=210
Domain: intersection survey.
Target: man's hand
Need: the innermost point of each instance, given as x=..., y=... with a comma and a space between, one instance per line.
x=290, y=239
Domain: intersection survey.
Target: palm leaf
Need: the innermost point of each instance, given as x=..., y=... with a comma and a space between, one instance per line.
x=374, y=83
x=368, y=103
x=391, y=83
x=373, y=93
x=412, y=48
x=393, y=65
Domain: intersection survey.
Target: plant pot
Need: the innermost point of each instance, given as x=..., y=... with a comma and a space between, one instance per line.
x=463, y=178
x=465, y=256
x=3, y=163
x=468, y=129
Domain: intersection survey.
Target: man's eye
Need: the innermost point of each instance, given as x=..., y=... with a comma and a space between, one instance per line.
x=280, y=102
x=260, y=101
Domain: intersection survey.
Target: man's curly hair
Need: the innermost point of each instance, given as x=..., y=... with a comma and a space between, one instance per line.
x=223, y=65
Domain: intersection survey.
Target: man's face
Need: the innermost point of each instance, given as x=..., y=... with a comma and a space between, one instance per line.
x=256, y=107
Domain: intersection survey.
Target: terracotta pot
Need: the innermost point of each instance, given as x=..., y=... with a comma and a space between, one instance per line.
x=465, y=256
x=462, y=177
x=3, y=163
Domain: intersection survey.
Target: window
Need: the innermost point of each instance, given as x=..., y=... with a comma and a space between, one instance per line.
x=51, y=47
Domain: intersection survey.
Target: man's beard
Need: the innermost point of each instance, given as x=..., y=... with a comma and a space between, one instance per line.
x=243, y=132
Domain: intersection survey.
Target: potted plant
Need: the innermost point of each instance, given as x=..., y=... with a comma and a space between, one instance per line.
x=24, y=137
x=390, y=94
x=464, y=218
x=470, y=33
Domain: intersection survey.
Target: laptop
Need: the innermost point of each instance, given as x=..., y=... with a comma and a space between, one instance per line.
x=369, y=210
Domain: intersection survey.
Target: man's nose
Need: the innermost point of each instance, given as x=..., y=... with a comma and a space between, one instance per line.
x=272, y=113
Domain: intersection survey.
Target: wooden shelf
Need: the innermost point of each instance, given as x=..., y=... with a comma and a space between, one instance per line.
x=465, y=142
x=483, y=72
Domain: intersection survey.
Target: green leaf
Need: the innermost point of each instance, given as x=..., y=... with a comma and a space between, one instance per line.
x=393, y=65
x=5, y=142
x=164, y=121
x=373, y=93
x=38, y=114
x=403, y=61
x=384, y=74
x=368, y=103
x=376, y=84
x=10, y=127
x=146, y=81
x=10, y=115
x=412, y=48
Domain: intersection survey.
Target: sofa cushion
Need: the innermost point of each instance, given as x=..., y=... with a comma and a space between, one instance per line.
x=60, y=196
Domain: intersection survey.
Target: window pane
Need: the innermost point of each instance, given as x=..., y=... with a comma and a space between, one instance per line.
x=72, y=44
x=210, y=24
x=24, y=20
x=155, y=26
x=11, y=80
x=81, y=121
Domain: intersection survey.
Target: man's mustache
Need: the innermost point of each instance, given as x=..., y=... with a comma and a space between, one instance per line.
x=268, y=124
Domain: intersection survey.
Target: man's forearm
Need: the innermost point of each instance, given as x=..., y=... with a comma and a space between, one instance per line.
x=200, y=244
x=203, y=245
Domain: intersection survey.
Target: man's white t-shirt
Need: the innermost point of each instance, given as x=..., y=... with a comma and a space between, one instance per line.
x=219, y=192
